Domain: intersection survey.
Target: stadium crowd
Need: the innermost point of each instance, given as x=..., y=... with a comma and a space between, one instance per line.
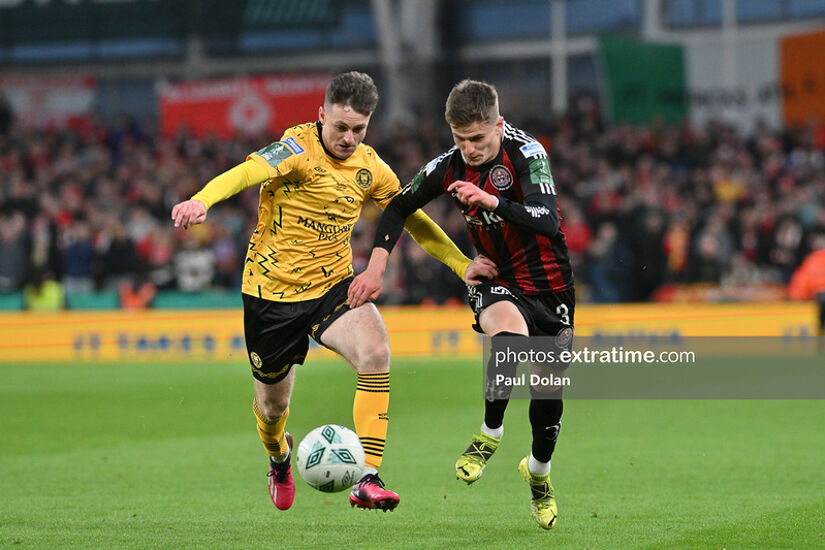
x=643, y=207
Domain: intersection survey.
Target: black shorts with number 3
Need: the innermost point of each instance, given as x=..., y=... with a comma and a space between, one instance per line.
x=545, y=314
x=277, y=333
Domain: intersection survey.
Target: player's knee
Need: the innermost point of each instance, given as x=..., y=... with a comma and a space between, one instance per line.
x=374, y=359
x=274, y=407
x=547, y=382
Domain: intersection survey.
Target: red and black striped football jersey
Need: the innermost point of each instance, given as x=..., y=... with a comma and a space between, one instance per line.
x=522, y=235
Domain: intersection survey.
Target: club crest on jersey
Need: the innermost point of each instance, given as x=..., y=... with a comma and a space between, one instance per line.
x=564, y=337
x=500, y=177
x=363, y=178
x=256, y=360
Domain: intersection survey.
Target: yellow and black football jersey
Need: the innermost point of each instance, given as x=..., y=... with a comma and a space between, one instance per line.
x=309, y=203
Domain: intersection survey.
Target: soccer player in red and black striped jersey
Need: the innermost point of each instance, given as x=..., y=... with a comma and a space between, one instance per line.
x=500, y=180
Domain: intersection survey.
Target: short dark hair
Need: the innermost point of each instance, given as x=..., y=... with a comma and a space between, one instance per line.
x=471, y=101
x=354, y=89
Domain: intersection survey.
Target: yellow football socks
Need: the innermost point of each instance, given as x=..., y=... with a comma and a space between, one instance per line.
x=369, y=413
x=272, y=432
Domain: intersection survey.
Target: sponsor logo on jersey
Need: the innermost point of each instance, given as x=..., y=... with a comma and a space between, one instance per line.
x=487, y=217
x=293, y=145
x=500, y=177
x=532, y=149
x=472, y=220
x=326, y=231
x=363, y=178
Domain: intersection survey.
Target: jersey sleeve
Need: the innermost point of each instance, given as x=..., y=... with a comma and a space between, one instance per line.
x=423, y=188
x=231, y=182
x=277, y=161
x=386, y=185
x=539, y=212
x=402, y=210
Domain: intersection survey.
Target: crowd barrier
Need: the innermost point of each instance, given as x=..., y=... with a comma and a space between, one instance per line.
x=217, y=335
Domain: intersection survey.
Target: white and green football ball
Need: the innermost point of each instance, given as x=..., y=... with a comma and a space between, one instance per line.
x=330, y=458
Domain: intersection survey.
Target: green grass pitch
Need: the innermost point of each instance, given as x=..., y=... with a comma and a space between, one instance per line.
x=166, y=456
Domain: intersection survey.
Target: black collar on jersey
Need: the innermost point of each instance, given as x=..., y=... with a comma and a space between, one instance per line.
x=321, y=139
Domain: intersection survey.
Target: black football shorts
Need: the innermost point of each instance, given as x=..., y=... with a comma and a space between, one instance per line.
x=277, y=333
x=545, y=314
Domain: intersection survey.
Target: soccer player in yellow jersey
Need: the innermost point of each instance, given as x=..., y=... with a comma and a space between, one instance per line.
x=314, y=181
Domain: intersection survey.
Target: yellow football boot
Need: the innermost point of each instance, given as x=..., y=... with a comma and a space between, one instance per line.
x=470, y=465
x=543, y=503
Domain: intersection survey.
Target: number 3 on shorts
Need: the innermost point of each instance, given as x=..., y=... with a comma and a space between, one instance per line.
x=563, y=313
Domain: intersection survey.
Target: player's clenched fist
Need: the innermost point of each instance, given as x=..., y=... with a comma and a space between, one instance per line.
x=186, y=213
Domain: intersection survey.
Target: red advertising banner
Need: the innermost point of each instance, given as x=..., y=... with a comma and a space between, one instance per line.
x=49, y=101
x=803, y=78
x=245, y=106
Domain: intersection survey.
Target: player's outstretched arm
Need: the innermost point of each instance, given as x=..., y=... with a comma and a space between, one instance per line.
x=403, y=211
x=231, y=182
